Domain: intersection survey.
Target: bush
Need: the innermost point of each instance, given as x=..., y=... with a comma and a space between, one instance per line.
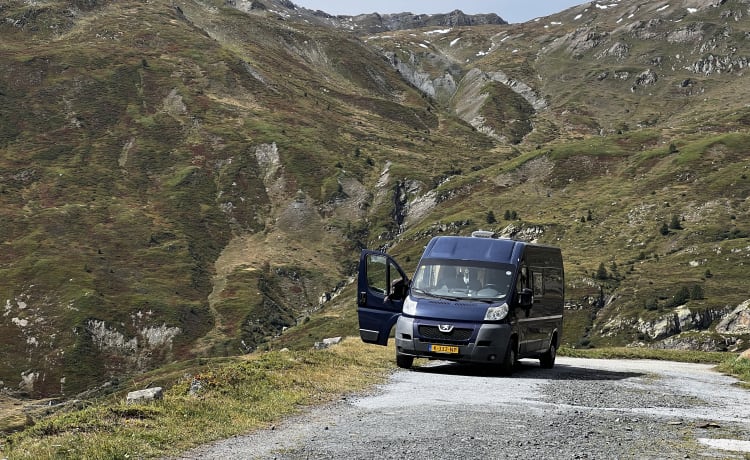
x=681, y=296
x=601, y=272
x=696, y=293
x=675, y=224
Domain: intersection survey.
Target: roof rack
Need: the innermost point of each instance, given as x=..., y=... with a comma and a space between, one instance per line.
x=483, y=234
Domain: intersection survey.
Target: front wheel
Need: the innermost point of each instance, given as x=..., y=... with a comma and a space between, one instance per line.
x=404, y=361
x=547, y=360
x=509, y=361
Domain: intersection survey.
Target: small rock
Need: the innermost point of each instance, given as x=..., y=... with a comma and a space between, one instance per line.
x=326, y=343
x=709, y=425
x=147, y=395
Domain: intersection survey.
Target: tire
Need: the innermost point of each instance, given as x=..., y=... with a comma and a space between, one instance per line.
x=404, y=361
x=509, y=361
x=547, y=360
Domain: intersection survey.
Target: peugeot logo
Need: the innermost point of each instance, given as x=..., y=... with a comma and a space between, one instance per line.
x=446, y=328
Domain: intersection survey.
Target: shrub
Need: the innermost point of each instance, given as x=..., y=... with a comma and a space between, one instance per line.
x=696, y=293
x=681, y=296
x=601, y=272
x=675, y=224
x=491, y=217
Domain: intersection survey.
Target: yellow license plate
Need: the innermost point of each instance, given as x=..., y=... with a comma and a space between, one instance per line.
x=443, y=349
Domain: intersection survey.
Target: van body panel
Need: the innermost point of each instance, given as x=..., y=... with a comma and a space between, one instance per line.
x=442, y=309
x=443, y=312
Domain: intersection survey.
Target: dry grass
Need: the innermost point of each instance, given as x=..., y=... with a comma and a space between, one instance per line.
x=227, y=399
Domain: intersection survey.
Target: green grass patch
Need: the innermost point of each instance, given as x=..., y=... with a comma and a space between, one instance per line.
x=252, y=393
x=738, y=367
x=685, y=356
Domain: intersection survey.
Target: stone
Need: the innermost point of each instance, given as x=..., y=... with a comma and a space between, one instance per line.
x=144, y=396
x=745, y=354
x=326, y=343
x=737, y=322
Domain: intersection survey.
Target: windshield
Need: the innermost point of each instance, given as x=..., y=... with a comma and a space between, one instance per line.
x=462, y=280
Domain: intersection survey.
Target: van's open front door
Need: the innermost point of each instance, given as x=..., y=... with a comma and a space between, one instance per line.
x=381, y=290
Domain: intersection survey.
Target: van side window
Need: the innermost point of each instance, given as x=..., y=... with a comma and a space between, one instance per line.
x=538, y=284
x=553, y=282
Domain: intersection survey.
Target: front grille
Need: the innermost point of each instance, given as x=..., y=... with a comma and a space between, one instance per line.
x=433, y=333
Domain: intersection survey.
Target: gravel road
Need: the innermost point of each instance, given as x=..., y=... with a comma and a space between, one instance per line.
x=583, y=408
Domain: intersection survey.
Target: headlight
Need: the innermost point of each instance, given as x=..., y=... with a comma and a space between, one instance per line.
x=410, y=307
x=495, y=313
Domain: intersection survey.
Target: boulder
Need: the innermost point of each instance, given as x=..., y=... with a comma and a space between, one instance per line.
x=326, y=343
x=736, y=322
x=745, y=354
x=144, y=396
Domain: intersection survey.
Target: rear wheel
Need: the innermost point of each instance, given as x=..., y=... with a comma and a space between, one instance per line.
x=547, y=360
x=404, y=361
x=509, y=361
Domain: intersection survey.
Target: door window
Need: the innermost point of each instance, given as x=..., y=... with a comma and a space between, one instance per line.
x=382, y=274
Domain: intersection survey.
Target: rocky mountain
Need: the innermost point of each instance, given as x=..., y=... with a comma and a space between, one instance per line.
x=371, y=23
x=195, y=177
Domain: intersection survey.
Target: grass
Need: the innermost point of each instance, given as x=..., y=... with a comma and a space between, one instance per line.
x=252, y=393
x=689, y=356
x=738, y=367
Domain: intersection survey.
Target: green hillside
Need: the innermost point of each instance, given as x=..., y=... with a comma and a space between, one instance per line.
x=190, y=178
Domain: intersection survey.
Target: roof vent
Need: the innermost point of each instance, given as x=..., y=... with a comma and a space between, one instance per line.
x=483, y=234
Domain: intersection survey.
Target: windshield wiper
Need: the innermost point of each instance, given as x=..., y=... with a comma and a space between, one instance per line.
x=436, y=296
x=486, y=299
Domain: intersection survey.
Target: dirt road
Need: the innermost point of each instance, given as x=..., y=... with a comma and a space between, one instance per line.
x=593, y=409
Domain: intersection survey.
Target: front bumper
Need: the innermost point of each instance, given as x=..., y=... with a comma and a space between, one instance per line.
x=486, y=344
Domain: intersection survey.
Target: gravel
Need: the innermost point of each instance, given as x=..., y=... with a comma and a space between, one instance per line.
x=581, y=409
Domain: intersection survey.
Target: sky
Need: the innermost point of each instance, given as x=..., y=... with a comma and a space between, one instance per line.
x=513, y=11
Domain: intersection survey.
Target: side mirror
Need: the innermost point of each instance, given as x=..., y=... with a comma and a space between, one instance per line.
x=526, y=298
x=399, y=290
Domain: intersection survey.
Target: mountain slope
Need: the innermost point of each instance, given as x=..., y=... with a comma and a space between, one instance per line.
x=192, y=178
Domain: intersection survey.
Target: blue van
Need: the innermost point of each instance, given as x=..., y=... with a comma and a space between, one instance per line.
x=477, y=299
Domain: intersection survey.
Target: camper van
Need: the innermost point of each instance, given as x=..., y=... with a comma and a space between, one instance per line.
x=472, y=299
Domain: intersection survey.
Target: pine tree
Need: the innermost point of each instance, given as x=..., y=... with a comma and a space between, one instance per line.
x=601, y=272
x=491, y=217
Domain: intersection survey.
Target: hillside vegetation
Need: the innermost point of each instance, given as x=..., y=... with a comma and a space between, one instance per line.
x=191, y=178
